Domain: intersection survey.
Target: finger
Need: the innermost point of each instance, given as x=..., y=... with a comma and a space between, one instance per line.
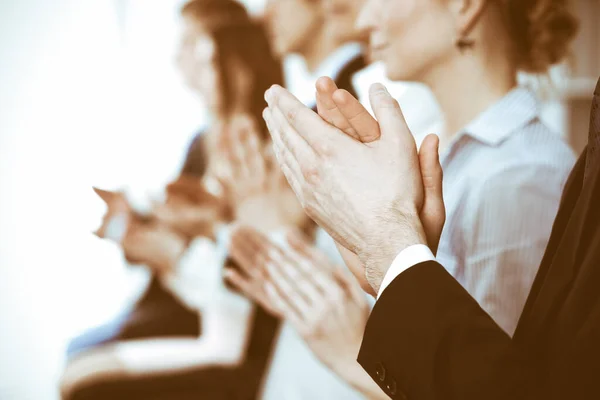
x=248, y=286
x=299, y=242
x=312, y=281
x=282, y=153
x=243, y=252
x=284, y=307
x=288, y=292
x=301, y=130
x=365, y=126
x=251, y=289
x=327, y=108
x=241, y=156
x=392, y=124
x=350, y=285
x=255, y=159
x=433, y=213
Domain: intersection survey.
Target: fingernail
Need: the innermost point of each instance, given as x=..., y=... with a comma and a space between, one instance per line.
x=268, y=96
x=379, y=88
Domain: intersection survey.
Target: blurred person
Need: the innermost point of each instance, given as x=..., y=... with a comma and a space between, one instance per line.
x=303, y=27
x=231, y=75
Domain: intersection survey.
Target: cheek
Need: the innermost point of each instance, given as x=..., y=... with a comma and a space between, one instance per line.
x=420, y=37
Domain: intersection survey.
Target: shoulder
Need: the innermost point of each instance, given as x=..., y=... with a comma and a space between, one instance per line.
x=532, y=156
x=520, y=179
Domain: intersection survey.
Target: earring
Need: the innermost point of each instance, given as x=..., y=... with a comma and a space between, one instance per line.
x=464, y=43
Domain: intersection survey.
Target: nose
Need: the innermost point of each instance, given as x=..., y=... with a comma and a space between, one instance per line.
x=366, y=20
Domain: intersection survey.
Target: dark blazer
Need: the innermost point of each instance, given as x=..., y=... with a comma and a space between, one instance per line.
x=428, y=339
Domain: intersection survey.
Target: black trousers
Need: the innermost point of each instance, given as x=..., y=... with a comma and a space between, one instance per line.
x=158, y=313
x=214, y=383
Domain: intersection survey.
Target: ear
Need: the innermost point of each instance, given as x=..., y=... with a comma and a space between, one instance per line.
x=105, y=195
x=467, y=14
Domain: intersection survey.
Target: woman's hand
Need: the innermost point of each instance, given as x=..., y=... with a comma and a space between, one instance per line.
x=191, y=209
x=254, y=184
x=153, y=245
x=321, y=300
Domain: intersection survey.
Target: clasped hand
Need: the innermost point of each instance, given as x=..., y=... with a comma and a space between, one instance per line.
x=360, y=179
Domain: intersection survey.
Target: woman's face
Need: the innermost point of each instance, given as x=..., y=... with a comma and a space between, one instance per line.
x=196, y=61
x=291, y=23
x=341, y=18
x=411, y=37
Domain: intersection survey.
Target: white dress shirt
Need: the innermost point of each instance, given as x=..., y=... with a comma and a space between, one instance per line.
x=503, y=179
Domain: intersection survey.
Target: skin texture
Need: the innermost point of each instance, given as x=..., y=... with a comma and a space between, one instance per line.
x=376, y=218
x=322, y=302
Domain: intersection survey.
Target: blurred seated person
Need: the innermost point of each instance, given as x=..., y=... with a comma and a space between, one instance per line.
x=305, y=28
x=231, y=76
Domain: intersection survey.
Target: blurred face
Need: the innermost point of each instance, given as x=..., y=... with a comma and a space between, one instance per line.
x=196, y=61
x=292, y=23
x=341, y=18
x=411, y=37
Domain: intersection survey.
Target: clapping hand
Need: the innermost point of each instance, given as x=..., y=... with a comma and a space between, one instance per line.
x=342, y=110
x=321, y=300
x=254, y=184
x=368, y=196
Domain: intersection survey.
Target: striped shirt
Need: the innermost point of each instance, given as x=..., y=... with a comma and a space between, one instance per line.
x=503, y=179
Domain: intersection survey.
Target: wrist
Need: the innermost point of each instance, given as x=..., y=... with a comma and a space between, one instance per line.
x=393, y=236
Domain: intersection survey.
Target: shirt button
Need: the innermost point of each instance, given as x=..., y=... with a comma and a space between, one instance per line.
x=380, y=372
x=392, y=388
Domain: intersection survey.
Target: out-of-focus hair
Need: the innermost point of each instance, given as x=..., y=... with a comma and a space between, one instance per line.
x=242, y=48
x=541, y=31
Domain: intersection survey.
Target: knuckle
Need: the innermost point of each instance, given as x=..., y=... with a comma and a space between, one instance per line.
x=311, y=174
x=292, y=115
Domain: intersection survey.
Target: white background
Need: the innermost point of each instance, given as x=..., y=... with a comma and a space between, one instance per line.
x=88, y=96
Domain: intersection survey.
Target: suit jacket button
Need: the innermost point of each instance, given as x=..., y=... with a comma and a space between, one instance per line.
x=392, y=388
x=380, y=372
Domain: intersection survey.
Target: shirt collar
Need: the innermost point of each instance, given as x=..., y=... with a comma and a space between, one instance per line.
x=337, y=60
x=515, y=110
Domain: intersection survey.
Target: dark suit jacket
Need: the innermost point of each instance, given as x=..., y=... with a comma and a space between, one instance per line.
x=428, y=339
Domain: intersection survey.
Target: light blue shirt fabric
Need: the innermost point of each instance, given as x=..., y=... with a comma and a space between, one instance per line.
x=503, y=178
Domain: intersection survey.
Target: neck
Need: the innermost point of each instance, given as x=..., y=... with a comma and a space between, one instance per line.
x=318, y=49
x=466, y=87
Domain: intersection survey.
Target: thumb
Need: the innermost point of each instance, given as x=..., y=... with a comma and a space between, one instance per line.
x=388, y=113
x=433, y=213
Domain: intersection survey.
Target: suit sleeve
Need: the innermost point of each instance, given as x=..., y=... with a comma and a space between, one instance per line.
x=427, y=338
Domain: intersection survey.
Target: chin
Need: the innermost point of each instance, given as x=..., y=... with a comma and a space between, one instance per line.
x=396, y=72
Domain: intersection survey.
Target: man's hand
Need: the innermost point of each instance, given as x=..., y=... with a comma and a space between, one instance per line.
x=367, y=196
x=342, y=110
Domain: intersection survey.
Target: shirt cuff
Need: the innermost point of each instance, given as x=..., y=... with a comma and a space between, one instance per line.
x=408, y=257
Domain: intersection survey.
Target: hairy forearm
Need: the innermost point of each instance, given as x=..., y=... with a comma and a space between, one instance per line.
x=395, y=233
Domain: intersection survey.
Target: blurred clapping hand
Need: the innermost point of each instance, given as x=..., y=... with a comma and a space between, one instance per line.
x=320, y=299
x=191, y=208
x=252, y=181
